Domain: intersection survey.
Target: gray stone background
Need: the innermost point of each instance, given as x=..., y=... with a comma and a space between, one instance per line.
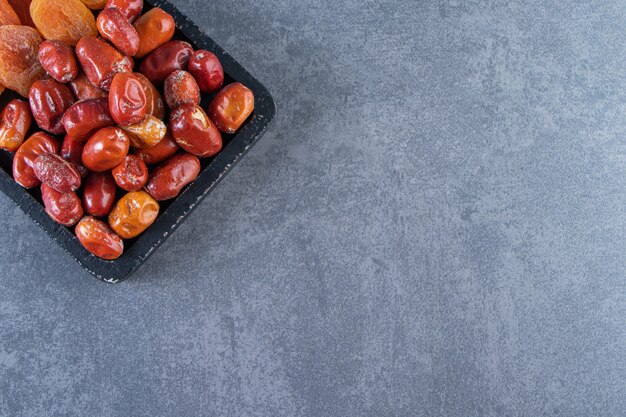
x=434, y=226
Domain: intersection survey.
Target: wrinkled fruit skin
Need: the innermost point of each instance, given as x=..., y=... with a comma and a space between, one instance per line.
x=168, y=180
x=127, y=100
x=101, y=61
x=194, y=131
x=131, y=9
x=83, y=89
x=155, y=28
x=15, y=120
x=133, y=214
x=95, y=4
x=59, y=61
x=8, y=15
x=63, y=208
x=114, y=27
x=147, y=133
x=155, y=102
x=105, y=149
x=181, y=88
x=19, y=62
x=99, y=194
x=131, y=174
x=24, y=159
x=49, y=100
x=231, y=107
x=87, y=116
x=159, y=152
x=22, y=9
x=166, y=59
x=72, y=151
x=67, y=20
x=207, y=69
x=97, y=238
x=57, y=173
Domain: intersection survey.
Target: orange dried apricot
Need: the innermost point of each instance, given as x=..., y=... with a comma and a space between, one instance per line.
x=19, y=62
x=7, y=14
x=67, y=20
x=95, y=4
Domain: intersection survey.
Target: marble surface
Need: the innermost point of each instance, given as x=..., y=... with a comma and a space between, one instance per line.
x=434, y=226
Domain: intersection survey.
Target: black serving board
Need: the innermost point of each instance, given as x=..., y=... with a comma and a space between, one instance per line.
x=174, y=212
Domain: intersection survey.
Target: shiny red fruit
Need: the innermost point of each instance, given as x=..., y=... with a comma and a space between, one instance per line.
x=99, y=194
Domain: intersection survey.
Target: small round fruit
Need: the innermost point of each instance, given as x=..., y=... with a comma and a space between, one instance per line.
x=127, y=100
x=59, y=61
x=131, y=174
x=169, y=179
x=194, y=131
x=57, y=173
x=97, y=237
x=231, y=107
x=63, y=208
x=15, y=121
x=133, y=214
x=99, y=194
x=38, y=144
x=166, y=59
x=181, y=88
x=49, y=100
x=207, y=70
x=106, y=149
x=155, y=28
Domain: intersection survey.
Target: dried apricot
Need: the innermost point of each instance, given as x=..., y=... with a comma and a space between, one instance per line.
x=155, y=28
x=147, y=133
x=19, y=63
x=133, y=214
x=15, y=120
x=97, y=237
x=7, y=14
x=95, y=4
x=67, y=20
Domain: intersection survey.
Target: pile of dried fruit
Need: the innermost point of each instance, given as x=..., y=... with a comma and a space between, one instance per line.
x=83, y=86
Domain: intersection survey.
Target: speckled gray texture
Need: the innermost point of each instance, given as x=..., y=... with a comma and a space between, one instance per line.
x=434, y=226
